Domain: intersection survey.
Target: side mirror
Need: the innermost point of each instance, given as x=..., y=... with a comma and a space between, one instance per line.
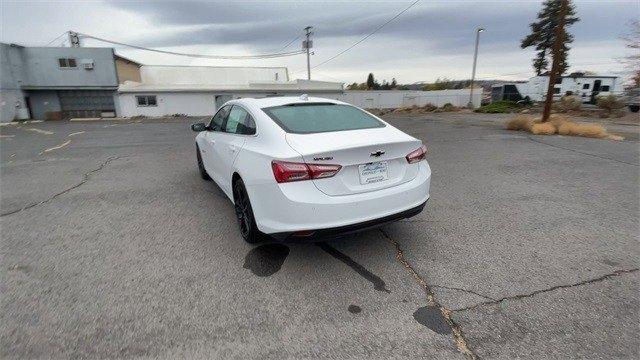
x=198, y=127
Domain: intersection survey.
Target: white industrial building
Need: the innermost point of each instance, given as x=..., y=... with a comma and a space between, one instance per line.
x=201, y=90
x=587, y=87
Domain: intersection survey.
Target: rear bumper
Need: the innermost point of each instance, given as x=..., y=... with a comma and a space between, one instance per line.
x=300, y=206
x=321, y=234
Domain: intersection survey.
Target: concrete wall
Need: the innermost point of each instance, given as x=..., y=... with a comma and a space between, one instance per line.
x=189, y=103
x=195, y=104
x=40, y=67
x=12, y=105
x=406, y=98
x=127, y=71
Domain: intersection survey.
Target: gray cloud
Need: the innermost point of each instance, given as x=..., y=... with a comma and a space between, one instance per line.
x=433, y=39
x=445, y=27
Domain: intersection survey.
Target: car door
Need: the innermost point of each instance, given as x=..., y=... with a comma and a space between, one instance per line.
x=211, y=136
x=238, y=126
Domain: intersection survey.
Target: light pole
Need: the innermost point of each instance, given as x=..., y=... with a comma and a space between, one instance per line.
x=308, y=44
x=473, y=72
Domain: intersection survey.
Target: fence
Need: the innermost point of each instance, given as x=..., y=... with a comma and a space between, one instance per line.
x=387, y=99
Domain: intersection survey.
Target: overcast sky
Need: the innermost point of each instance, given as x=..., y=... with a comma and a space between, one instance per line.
x=433, y=39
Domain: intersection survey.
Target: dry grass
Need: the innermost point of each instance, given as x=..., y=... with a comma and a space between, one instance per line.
x=546, y=128
x=559, y=124
x=586, y=130
x=520, y=122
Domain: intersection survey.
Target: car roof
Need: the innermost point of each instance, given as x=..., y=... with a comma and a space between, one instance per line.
x=283, y=100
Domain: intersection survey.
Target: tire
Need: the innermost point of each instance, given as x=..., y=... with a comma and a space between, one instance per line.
x=203, y=172
x=244, y=214
x=634, y=108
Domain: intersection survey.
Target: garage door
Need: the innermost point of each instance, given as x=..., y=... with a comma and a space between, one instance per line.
x=86, y=103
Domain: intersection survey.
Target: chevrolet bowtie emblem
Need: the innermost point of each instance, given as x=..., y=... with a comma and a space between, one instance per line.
x=377, y=153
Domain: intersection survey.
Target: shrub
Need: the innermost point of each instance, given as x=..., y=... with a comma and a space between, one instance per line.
x=446, y=108
x=520, y=122
x=568, y=103
x=502, y=106
x=610, y=103
x=585, y=130
x=429, y=107
x=559, y=124
x=415, y=109
x=545, y=128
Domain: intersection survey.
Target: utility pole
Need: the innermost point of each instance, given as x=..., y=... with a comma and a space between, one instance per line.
x=555, y=66
x=308, y=44
x=473, y=72
x=74, y=39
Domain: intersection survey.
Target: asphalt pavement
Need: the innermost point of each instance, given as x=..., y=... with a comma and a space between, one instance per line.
x=114, y=247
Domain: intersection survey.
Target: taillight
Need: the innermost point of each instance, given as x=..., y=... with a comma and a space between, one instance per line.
x=285, y=171
x=321, y=171
x=417, y=155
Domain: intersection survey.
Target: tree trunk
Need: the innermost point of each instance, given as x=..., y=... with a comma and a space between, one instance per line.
x=555, y=67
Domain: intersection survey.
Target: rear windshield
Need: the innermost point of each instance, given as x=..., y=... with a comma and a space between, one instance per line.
x=308, y=118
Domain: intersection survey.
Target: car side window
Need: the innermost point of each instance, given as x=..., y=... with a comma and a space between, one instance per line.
x=240, y=122
x=219, y=118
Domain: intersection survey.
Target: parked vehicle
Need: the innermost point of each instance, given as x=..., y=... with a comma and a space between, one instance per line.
x=299, y=168
x=632, y=97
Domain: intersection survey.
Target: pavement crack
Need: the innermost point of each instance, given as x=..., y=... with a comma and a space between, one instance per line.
x=461, y=342
x=581, y=152
x=553, y=288
x=464, y=290
x=85, y=177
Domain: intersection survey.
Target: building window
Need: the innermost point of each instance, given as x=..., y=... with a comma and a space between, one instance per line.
x=559, y=80
x=146, y=100
x=585, y=86
x=67, y=63
x=556, y=90
x=604, y=88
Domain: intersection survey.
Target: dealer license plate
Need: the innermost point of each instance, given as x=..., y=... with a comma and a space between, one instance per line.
x=373, y=172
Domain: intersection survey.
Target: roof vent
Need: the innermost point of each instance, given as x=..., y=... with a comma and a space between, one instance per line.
x=304, y=97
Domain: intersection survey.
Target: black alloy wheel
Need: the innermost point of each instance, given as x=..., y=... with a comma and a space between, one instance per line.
x=203, y=172
x=244, y=213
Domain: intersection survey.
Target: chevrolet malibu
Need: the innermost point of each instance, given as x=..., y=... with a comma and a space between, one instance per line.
x=303, y=168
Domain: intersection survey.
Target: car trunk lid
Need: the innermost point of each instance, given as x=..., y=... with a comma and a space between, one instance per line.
x=371, y=159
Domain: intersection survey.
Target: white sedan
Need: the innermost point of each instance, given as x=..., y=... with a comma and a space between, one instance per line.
x=303, y=168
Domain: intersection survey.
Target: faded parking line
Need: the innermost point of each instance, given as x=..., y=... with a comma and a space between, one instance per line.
x=56, y=147
x=76, y=133
x=45, y=132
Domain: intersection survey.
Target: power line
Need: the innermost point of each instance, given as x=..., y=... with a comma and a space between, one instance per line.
x=289, y=43
x=367, y=36
x=237, y=57
x=58, y=37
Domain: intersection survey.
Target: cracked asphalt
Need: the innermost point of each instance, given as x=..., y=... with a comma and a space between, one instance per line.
x=112, y=246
